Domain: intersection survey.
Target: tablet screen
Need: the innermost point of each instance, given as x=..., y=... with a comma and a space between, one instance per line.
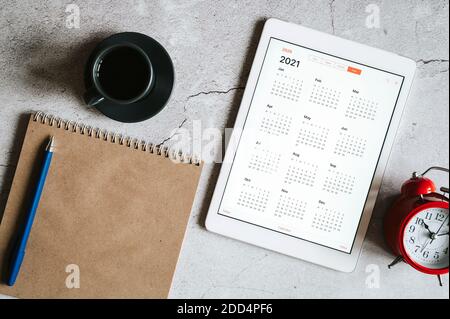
x=311, y=141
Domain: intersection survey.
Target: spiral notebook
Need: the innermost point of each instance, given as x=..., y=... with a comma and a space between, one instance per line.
x=111, y=219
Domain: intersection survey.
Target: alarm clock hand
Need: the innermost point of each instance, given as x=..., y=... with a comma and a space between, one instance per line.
x=429, y=239
x=443, y=234
x=434, y=237
x=427, y=228
x=426, y=244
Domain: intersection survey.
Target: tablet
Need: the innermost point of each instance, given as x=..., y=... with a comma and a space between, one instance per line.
x=310, y=144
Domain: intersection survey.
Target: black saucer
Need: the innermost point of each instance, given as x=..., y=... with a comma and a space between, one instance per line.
x=163, y=70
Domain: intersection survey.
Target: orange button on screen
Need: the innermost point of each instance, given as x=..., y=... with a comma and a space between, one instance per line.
x=354, y=70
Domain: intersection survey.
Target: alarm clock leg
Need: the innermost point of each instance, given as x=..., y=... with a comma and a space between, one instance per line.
x=395, y=261
x=440, y=280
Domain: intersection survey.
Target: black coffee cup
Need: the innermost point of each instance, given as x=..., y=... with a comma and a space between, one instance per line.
x=122, y=73
x=129, y=77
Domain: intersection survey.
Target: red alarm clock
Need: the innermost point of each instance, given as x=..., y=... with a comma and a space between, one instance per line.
x=417, y=225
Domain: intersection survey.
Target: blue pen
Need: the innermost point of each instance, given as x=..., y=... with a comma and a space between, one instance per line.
x=19, y=251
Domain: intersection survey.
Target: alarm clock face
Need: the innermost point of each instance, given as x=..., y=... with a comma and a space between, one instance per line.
x=426, y=238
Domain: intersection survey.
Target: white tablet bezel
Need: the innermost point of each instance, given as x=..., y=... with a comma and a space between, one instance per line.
x=280, y=242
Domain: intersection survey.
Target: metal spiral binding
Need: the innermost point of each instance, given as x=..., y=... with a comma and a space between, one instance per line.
x=134, y=143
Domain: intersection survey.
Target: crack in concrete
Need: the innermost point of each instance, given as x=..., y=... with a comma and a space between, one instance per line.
x=331, y=5
x=422, y=61
x=174, y=133
x=215, y=92
x=439, y=61
x=235, y=88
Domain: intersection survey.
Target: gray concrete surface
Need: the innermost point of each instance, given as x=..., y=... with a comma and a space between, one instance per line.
x=212, y=44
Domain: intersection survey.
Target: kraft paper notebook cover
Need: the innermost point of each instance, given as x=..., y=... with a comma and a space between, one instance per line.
x=114, y=207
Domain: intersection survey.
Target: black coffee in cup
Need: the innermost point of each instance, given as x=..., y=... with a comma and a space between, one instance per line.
x=129, y=77
x=124, y=73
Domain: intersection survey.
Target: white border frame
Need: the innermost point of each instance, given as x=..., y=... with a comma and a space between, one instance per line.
x=279, y=242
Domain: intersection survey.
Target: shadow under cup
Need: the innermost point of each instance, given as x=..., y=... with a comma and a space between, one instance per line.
x=122, y=73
